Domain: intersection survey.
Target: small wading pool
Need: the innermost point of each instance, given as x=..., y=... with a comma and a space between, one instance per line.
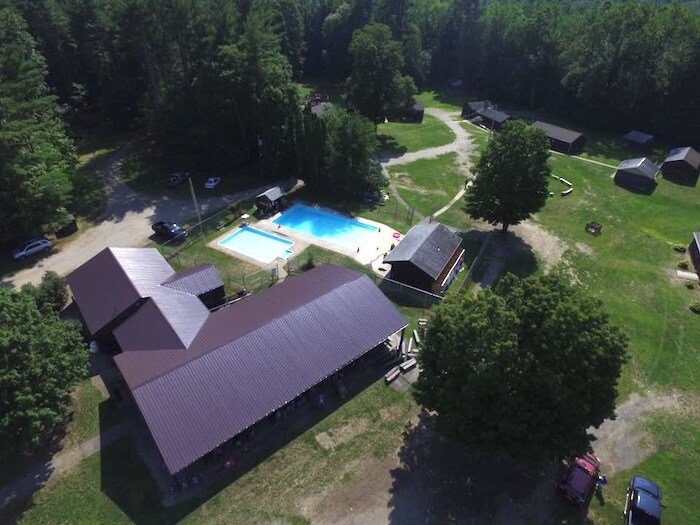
x=256, y=244
x=326, y=226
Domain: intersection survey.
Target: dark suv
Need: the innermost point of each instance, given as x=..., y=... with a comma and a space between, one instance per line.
x=169, y=230
x=643, y=503
x=581, y=479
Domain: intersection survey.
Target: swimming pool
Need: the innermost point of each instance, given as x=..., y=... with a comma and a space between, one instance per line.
x=262, y=246
x=325, y=225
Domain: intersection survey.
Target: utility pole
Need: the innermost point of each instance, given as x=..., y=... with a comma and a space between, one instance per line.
x=196, y=205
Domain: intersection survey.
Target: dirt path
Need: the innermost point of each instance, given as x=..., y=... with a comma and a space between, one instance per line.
x=126, y=221
x=59, y=464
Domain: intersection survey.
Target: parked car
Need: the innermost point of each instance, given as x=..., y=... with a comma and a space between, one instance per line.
x=212, y=182
x=32, y=247
x=176, y=179
x=643, y=503
x=169, y=230
x=581, y=479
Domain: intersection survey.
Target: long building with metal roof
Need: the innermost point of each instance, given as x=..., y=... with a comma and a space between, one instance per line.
x=200, y=378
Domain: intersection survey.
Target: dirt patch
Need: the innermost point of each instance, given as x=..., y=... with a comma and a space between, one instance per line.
x=548, y=247
x=584, y=249
x=622, y=443
x=337, y=436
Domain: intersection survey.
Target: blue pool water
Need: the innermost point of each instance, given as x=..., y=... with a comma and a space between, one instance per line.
x=327, y=226
x=262, y=246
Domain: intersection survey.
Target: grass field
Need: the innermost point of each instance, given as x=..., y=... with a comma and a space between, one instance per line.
x=428, y=184
x=397, y=138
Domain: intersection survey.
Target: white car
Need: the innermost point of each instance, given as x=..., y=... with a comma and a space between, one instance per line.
x=32, y=247
x=212, y=182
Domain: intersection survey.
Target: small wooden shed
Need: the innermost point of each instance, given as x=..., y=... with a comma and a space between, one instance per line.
x=637, y=174
x=269, y=200
x=682, y=165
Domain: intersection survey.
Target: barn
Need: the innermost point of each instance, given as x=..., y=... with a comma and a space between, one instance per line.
x=637, y=175
x=561, y=139
x=682, y=165
x=428, y=257
x=201, y=377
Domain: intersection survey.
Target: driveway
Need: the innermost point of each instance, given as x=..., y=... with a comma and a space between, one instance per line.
x=125, y=222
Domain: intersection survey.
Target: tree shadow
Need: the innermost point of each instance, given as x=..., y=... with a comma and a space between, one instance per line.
x=127, y=467
x=438, y=481
x=505, y=253
x=389, y=148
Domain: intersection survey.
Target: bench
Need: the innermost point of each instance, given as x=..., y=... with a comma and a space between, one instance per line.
x=408, y=365
x=564, y=181
x=422, y=322
x=392, y=374
x=566, y=192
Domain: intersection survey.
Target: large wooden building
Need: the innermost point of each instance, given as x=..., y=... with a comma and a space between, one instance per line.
x=428, y=257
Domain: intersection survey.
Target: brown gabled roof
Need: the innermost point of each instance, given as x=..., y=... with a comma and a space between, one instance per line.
x=255, y=356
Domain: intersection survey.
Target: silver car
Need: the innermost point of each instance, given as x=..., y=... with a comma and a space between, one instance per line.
x=29, y=248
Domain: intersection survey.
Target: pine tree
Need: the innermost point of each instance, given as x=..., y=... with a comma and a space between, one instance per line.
x=36, y=156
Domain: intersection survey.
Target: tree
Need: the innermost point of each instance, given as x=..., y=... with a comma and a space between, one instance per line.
x=376, y=85
x=51, y=295
x=511, y=176
x=350, y=143
x=41, y=359
x=522, y=370
x=36, y=156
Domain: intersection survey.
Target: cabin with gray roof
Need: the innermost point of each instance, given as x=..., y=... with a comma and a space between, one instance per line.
x=492, y=118
x=201, y=377
x=428, y=257
x=638, y=139
x=469, y=109
x=269, y=200
x=561, y=139
x=694, y=252
x=682, y=165
x=637, y=174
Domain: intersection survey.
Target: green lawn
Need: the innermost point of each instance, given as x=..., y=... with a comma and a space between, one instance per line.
x=114, y=487
x=397, y=138
x=442, y=100
x=675, y=468
x=428, y=184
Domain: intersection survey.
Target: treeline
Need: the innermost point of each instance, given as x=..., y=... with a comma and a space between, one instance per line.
x=216, y=81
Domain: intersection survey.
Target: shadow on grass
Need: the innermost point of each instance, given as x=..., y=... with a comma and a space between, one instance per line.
x=437, y=481
x=389, y=148
x=127, y=482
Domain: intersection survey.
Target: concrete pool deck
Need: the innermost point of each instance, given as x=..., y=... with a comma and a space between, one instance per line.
x=371, y=253
x=372, y=249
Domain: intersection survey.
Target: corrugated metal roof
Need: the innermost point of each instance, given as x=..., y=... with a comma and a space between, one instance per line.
x=276, y=192
x=255, y=356
x=642, y=167
x=567, y=136
x=196, y=281
x=686, y=154
x=493, y=114
x=428, y=245
x=113, y=280
x=638, y=137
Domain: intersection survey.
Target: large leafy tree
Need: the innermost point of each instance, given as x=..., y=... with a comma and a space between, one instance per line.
x=36, y=156
x=349, y=146
x=41, y=358
x=522, y=370
x=511, y=176
x=376, y=85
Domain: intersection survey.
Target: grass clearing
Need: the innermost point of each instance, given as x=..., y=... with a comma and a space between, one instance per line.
x=397, y=138
x=428, y=184
x=440, y=99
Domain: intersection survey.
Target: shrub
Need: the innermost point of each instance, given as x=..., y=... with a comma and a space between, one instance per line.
x=690, y=285
x=683, y=265
x=680, y=248
x=309, y=262
x=51, y=293
x=695, y=307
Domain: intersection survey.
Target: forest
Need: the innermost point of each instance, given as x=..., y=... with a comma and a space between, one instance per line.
x=216, y=82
